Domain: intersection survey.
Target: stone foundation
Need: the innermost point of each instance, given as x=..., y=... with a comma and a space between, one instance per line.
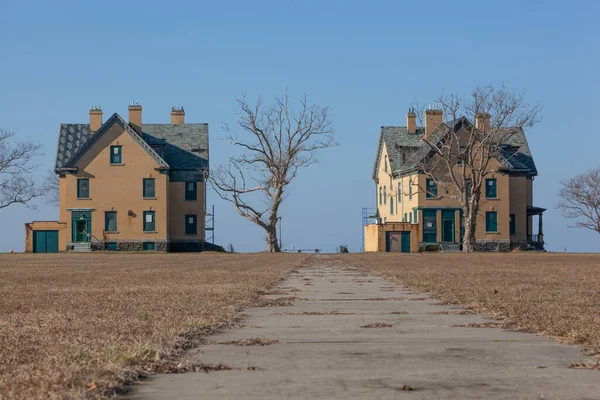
x=130, y=245
x=488, y=246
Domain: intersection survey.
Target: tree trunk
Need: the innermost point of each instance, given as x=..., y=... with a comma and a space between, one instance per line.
x=272, y=242
x=469, y=238
x=470, y=214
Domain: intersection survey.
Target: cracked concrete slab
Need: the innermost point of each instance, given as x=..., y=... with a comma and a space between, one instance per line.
x=422, y=355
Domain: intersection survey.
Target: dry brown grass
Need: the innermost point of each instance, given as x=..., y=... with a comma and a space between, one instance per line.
x=71, y=324
x=553, y=294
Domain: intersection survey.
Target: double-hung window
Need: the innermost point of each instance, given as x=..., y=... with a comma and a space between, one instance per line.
x=491, y=191
x=190, y=191
x=148, y=184
x=110, y=221
x=399, y=192
x=511, y=223
x=116, y=155
x=431, y=189
x=191, y=226
x=391, y=205
x=149, y=221
x=385, y=195
x=83, y=188
x=410, y=189
x=380, y=196
x=491, y=221
x=469, y=188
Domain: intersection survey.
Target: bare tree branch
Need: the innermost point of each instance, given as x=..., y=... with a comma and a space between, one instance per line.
x=51, y=188
x=16, y=182
x=475, y=132
x=276, y=142
x=580, y=200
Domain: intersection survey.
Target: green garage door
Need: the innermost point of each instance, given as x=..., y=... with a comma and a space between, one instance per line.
x=45, y=241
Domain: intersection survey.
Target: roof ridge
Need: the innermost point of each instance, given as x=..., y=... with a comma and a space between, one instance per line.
x=115, y=118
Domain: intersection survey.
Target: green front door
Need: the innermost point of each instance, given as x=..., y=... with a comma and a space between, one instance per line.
x=81, y=226
x=81, y=231
x=448, y=217
x=45, y=241
x=405, y=242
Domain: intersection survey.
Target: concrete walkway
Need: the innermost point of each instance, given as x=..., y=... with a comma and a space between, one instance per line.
x=422, y=355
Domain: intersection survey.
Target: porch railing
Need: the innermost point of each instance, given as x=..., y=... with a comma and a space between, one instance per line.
x=535, y=238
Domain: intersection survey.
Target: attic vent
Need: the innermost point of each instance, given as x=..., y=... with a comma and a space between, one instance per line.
x=198, y=150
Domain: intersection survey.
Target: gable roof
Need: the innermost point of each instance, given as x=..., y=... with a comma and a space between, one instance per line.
x=515, y=155
x=185, y=146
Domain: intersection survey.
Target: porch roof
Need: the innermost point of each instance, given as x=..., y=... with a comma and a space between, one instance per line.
x=532, y=210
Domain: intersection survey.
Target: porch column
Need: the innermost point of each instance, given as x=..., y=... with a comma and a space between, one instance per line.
x=438, y=223
x=421, y=225
x=541, y=228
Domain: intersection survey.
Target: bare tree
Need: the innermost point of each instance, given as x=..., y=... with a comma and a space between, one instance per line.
x=460, y=154
x=16, y=181
x=275, y=143
x=51, y=187
x=580, y=199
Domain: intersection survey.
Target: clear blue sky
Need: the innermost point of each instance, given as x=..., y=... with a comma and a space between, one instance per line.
x=366, y=60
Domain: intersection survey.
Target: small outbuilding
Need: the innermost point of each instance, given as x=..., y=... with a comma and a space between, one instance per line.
x=45, y=237
x=401, y=237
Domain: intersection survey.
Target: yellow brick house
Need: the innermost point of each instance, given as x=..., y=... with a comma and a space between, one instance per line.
x=410, y=218
x=128, y=186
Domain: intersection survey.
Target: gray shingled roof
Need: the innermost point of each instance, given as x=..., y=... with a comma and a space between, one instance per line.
x=186, y=145
x=394, y=137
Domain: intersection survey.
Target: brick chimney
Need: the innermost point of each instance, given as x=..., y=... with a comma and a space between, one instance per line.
x=95, y=119
x=135, y=117
x=411, y=121
x=433, y=119
x=482, y=121
x=177, y=116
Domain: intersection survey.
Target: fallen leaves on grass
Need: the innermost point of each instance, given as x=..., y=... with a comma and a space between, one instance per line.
x=251, y=342
x=586, y=365
x=454, y=312
x=276, y=302
x=480, y=325
x=376, y=325
x=319, y=313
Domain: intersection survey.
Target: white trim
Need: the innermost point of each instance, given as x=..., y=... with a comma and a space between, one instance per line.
x=81, y=209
